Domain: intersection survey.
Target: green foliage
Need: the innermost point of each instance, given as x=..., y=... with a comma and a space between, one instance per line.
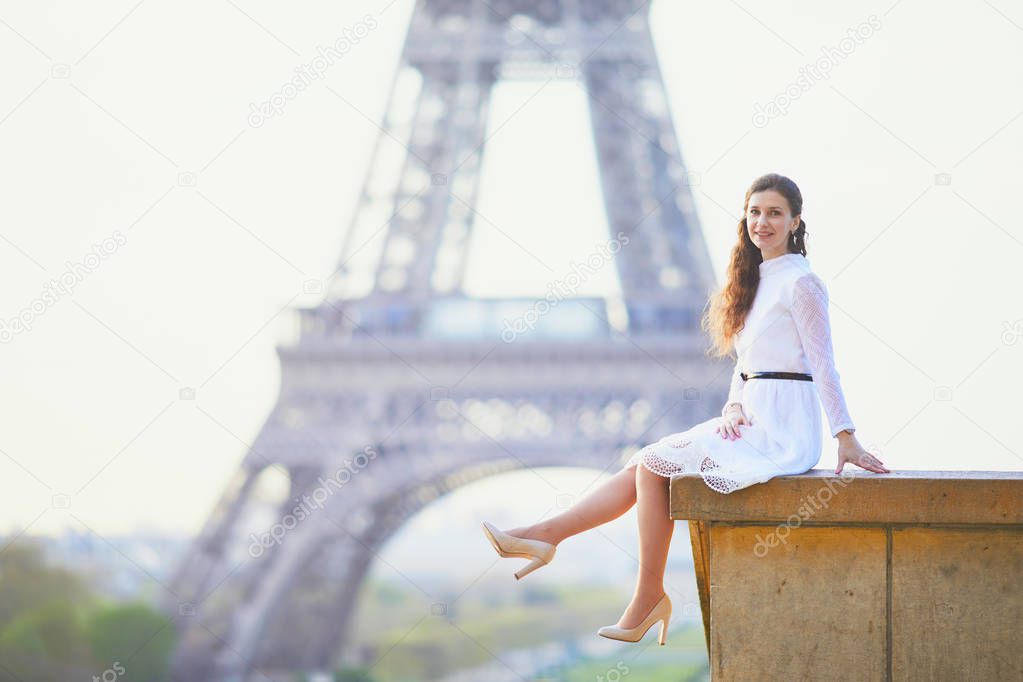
x=405, y=646
x=626, y=667
x=134, y=636
x=354, y=674
x=26, y=582
x=46, y=642
x=52, y=627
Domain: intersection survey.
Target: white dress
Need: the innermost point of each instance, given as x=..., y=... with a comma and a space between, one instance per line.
x=786, y=330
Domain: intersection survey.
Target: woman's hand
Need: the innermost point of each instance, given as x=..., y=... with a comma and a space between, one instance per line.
x=850, y=450
x=729, y=427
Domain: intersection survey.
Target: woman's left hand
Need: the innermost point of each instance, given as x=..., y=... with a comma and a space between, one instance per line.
x=850, y=450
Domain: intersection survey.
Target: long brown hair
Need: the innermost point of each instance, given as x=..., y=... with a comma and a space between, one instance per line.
x=727, y=308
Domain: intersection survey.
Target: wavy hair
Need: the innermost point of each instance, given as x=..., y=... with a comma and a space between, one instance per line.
x=727, y=307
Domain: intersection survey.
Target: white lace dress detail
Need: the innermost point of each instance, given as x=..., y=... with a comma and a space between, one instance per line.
x=786, y=330
x=810, y=312
x=691, y=460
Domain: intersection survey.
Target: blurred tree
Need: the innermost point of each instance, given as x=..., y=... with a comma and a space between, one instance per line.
x=135, y=637
x=353, y=674
x=41, y=632
x=46, y=642
x=27, y=582
x=52, y=627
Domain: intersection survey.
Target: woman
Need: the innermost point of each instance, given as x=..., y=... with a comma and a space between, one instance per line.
x=774, y=311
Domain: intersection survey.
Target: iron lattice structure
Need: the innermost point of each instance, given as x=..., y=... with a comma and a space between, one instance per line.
x=407, y=384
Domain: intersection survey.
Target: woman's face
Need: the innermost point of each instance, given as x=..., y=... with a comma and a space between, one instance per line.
x=769, y=223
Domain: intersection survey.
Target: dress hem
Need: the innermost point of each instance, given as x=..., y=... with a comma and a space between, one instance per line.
x=709, y=469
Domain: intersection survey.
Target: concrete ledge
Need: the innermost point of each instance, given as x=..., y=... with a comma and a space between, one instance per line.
x=903, y=576
x=973, y=497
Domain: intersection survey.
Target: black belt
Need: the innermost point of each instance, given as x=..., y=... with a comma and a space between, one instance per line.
x=776, y=375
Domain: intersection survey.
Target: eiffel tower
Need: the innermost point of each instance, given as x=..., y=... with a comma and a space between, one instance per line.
x=401, y=388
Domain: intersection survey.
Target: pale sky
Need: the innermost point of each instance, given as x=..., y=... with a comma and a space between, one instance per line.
x=105, y=106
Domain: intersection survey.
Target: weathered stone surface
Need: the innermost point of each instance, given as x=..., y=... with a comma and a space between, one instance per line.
x=957, y=604
x=811, y=608
x=899, y=497
x=904, y=576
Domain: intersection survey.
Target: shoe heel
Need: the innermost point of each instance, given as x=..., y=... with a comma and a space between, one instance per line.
x=664, y=632
x=529, y=568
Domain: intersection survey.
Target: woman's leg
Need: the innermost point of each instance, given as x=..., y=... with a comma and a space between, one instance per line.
x=655, y=529
x=612, y=499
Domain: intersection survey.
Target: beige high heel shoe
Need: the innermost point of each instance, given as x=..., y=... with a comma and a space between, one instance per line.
x=660, y=612
x=506, y=545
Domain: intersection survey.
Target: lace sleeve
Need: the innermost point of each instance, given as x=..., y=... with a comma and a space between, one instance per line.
x=734, y=389
x=810, y=312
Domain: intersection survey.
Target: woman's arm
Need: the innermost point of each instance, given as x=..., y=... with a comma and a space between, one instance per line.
x=734, y=390
x=810, y=312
